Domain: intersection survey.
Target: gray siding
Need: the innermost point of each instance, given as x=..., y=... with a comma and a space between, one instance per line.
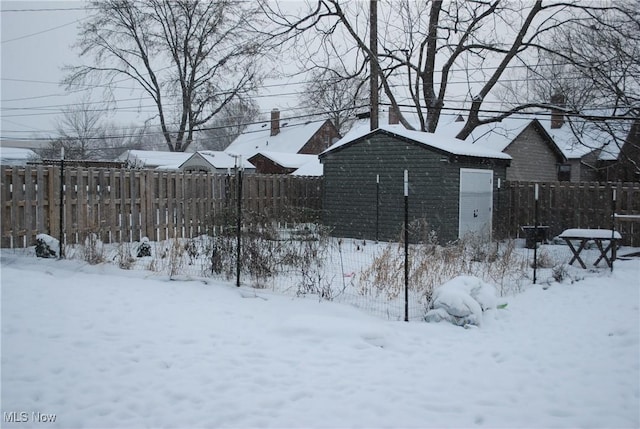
x=350, y=188
x=588, y=163
x=533, y=158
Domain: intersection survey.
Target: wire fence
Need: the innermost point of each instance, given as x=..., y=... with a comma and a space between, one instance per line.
x=304, y=260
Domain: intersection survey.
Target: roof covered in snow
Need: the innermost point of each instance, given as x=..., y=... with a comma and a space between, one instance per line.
x=222, y=160
x=436, y=141
x=291, y=138
x=16, y=156
x=288, y=160
x=311, y=168
x=154, y=158
x=574, y=143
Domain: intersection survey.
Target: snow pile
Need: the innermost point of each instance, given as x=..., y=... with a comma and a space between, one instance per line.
x=462, y=301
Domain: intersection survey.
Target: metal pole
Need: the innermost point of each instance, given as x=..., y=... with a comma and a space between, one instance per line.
x=498, y=219
x=239, y=224
x=406, y=245
x=377, y=206
x=373, y=63
x=613, y=228
x=61, y=249
x=535, y=236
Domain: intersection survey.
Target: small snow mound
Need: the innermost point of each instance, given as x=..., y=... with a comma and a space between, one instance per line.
x=462, y=301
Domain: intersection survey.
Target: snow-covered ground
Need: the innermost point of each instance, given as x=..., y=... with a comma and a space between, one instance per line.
x=100, y=347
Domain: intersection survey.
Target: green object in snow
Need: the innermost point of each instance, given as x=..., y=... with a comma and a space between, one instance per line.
x=502, y=306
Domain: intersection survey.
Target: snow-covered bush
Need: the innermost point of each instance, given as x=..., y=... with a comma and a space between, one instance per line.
x=46, y=246
x=144, y=249
x=462, y=301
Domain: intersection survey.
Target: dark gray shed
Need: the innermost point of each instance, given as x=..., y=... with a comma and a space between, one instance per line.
x=451, y=184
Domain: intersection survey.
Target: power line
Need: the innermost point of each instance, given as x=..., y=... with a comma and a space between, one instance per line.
x=53, y=9
x=452, y=82
x=520, y=114
x=41, y=32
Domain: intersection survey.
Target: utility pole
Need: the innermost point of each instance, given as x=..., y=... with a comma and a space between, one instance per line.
x=373, y=63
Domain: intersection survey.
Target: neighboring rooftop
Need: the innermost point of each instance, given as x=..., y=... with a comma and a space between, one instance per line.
x=153, y=158
x=311, y=168
x=222, y=160
x=288, y=136
x=288, y=160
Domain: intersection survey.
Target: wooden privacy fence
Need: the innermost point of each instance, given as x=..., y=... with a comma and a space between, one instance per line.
x=125, y=205
x=564, y=205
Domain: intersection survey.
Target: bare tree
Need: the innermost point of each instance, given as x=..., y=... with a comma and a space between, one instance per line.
x=230, y=123
x=592, y=68
x=114, y=140
x=85, y=136
x=78, y=131
x=442, y=54
x=335, y=94
x=190, y=57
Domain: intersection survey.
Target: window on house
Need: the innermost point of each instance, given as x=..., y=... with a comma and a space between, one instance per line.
x=564, y=172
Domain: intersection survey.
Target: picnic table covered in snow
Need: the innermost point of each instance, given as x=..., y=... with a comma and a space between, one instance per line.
x=597, y=236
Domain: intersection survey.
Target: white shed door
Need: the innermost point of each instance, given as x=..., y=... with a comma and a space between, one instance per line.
x=476, y=202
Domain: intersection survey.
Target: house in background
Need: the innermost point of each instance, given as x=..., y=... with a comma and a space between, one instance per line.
x=216, y=162
x=152, y=159
x=206, y=161
x=546, y=148
x=625, y=167
x=589, y=146
x=451, y=184
x=264, y=142
x=534, y=153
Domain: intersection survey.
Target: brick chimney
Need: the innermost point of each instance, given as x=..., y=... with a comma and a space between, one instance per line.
x=557, y=116
x=394, y=115
x=275, y=122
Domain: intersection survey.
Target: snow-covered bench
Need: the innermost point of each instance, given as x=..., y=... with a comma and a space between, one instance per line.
x=595, y=235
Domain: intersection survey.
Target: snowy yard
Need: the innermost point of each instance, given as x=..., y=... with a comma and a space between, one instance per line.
x=99, y=347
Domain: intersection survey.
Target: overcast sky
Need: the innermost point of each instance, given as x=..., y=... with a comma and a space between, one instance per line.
x=37, y=39
x=35, y=46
